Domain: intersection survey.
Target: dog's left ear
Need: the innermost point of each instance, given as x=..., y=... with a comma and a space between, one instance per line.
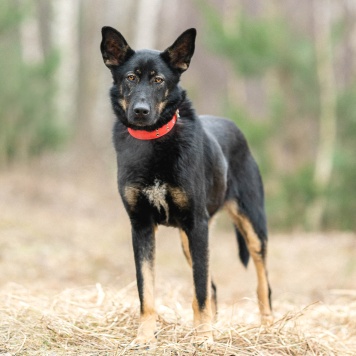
x=178, y=55
x=114, y=48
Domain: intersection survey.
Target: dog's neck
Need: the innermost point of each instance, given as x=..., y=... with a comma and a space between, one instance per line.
x=157, y=133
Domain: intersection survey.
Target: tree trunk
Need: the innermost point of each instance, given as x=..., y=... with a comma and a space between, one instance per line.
x=327, y=116
x=147, y=20
x=236, y=84
x=87, y=91
x=350, y=8
x=65, y=38
x=31, y=49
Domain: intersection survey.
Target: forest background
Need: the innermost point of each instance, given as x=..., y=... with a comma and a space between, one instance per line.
x=284, y=71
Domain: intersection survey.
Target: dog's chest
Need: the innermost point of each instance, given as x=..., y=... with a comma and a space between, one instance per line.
x=157, y=196
x=164, y=199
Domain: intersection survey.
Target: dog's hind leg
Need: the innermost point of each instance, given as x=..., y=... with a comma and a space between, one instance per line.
x=143, y=239
x=196, y=252
x=257, y=247
x=186, y=251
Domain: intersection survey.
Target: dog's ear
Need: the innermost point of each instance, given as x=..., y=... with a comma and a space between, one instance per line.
x=178, y=55
x=114, y=48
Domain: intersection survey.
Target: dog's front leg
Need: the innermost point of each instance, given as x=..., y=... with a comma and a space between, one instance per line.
x=143, y=239
x=199, y=250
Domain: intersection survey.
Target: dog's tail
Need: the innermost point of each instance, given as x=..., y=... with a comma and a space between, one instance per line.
x=243, y=251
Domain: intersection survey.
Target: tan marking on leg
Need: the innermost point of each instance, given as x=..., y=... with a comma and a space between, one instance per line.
x=214, y=307
x=202, y=318
x=131, y=194
x=147, y=325
x=254, y=246
x=185, y=246
x=212, y=222
x=179, y=197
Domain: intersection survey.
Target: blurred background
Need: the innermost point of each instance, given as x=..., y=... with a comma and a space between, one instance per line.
x=284, y=71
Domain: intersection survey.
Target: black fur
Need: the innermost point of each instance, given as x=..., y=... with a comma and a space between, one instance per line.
x=206, y=158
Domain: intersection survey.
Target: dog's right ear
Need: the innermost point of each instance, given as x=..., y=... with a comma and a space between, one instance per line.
x=178, y=55
x=114, y=48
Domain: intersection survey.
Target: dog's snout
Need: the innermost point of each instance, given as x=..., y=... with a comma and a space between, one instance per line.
x=140, y=113
x=141, y=109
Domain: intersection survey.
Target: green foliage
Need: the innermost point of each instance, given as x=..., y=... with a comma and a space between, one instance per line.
x=251, y=46
x=10, y=16
x=287, y=208
x=28, y=124
x=258, y=134
x=342, y=192
x=260, y=46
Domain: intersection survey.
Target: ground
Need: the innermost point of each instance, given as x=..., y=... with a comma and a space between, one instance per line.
x=67, y=281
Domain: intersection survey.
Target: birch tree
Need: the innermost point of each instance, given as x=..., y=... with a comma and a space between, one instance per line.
x=327, y=118
x=65, y=39
x=146, y=25
x=31, y=49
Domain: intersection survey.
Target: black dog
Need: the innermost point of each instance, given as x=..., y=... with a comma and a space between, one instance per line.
x=178, y=169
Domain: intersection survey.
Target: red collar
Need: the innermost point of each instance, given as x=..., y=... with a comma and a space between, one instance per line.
x=152, y=135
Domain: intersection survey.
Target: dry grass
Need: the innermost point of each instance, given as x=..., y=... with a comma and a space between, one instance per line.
x=97, y=321
x=67, y=278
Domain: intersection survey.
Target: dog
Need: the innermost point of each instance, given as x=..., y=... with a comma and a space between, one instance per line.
x=179, y=169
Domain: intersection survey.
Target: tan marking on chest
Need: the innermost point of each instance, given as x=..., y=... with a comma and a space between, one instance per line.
x=179, y=197
x=157, y=196
x=131, y=194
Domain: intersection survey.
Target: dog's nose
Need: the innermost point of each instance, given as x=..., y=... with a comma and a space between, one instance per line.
x=141, y=109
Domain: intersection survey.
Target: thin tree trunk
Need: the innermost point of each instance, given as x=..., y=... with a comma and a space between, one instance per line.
x=89, y=39
x=31, y=49
x=350, y=6
x=147, y=20
x=32, y=55
x=236, y=86
x=65, y=39
x=327, y=119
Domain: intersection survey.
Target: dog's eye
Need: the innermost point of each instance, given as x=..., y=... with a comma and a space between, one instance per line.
x=131, y=77
x=158, y=80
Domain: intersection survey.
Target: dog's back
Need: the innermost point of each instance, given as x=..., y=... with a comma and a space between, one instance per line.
x=243, y=177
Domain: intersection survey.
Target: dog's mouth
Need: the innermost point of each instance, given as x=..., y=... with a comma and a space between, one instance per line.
x=141, y=121
x=138, y=123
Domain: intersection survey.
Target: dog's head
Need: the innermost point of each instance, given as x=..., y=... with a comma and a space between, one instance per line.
x=145, y=80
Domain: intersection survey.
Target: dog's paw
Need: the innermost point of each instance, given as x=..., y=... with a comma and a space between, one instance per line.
x=267, y=319
x=203, y=340
x=144, y=342
x=146, y=338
